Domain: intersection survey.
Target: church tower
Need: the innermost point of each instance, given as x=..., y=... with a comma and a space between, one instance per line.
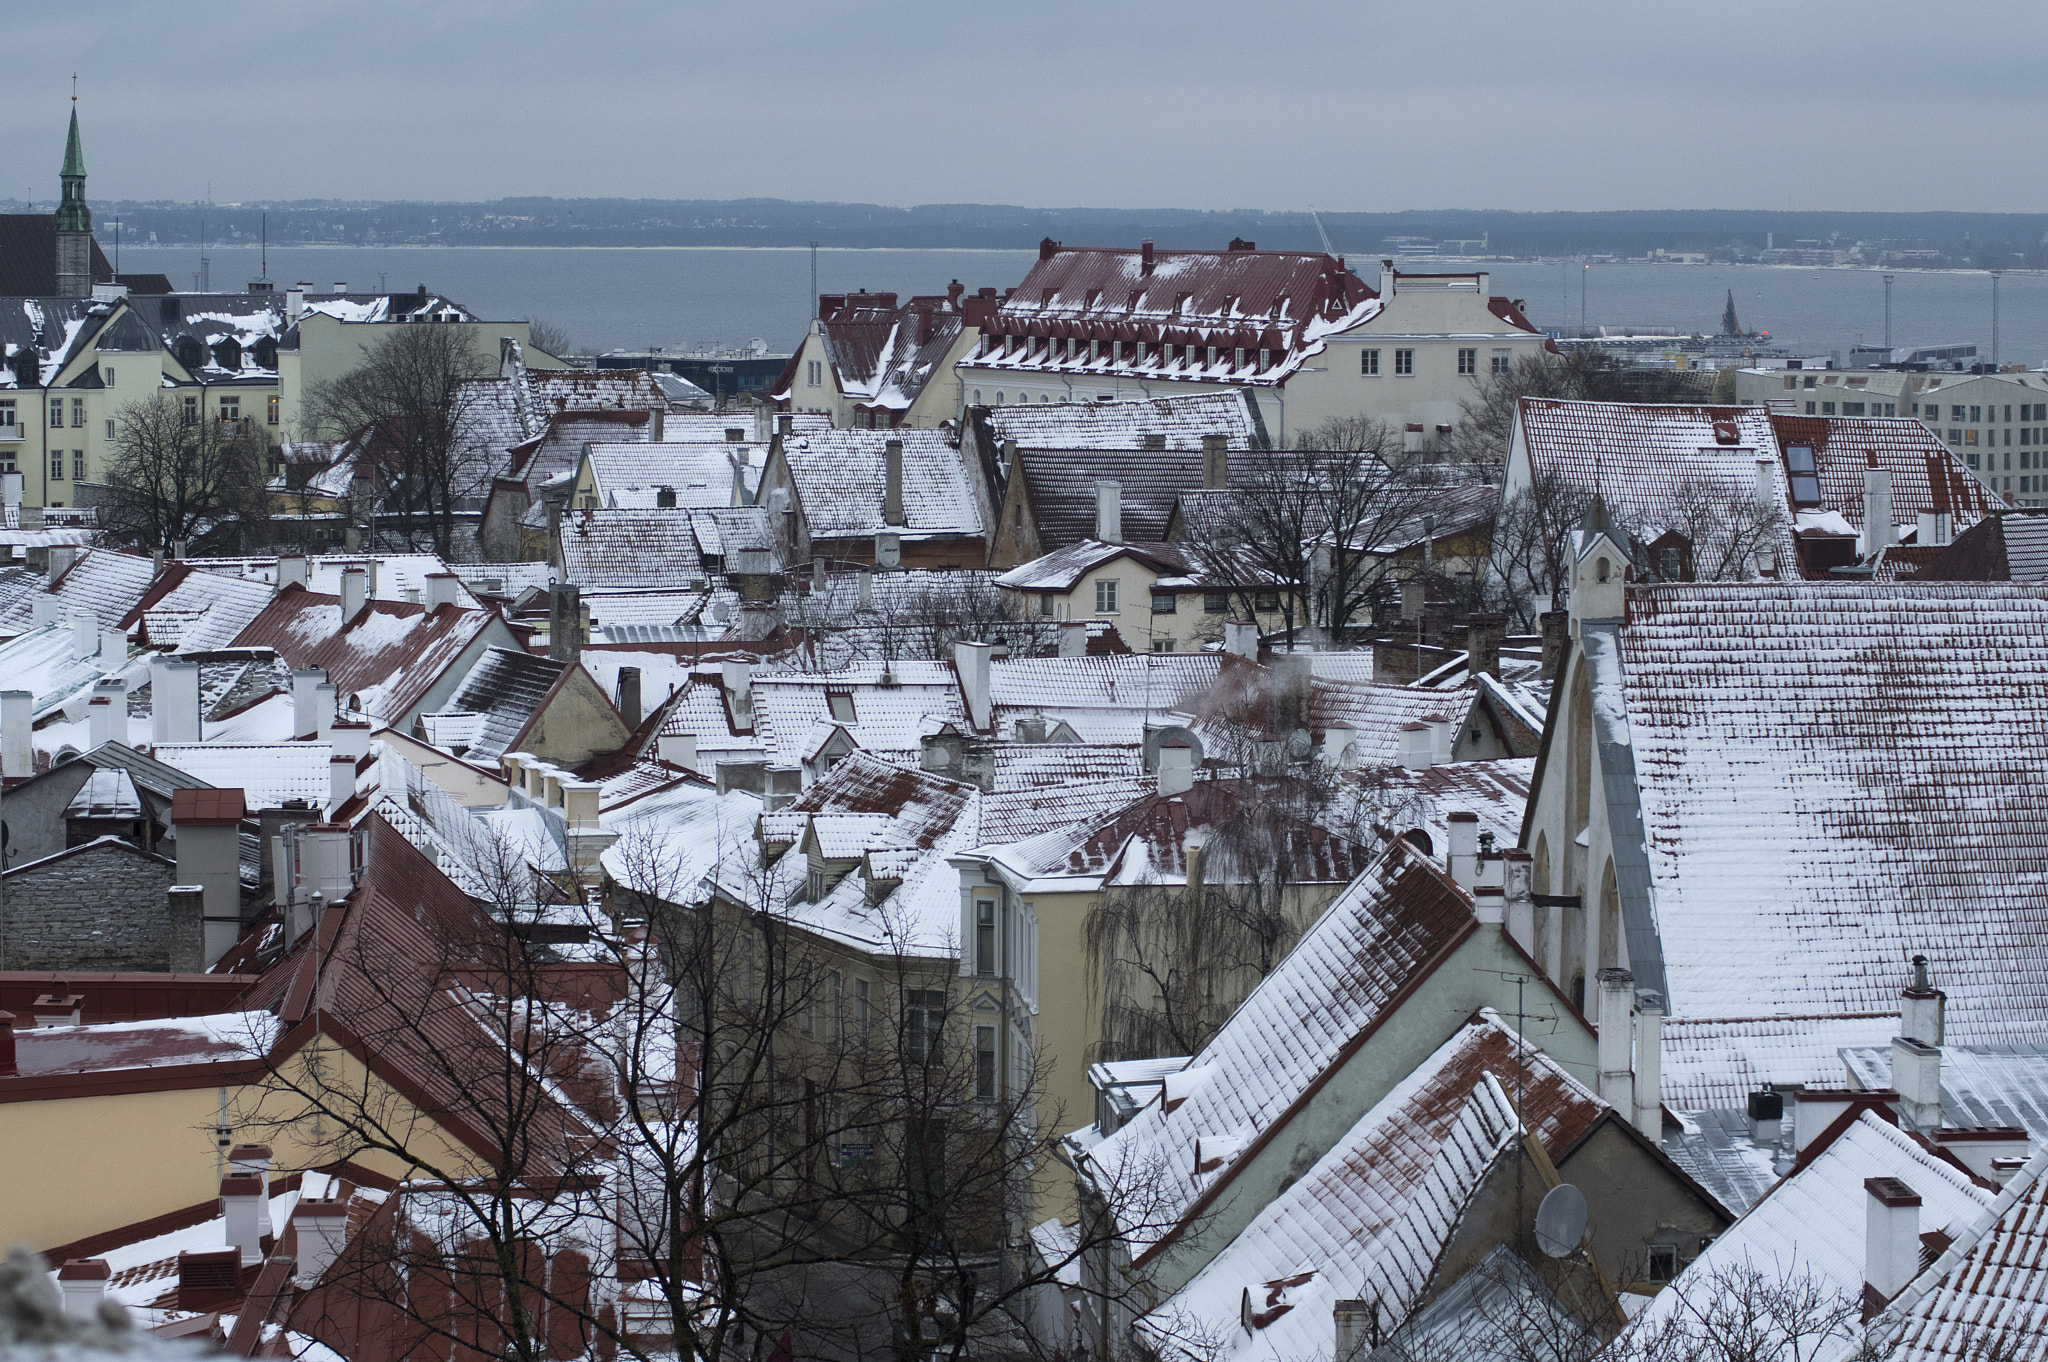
x=74, y=221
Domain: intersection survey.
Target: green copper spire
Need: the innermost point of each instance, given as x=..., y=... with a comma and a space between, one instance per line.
x=72, y=214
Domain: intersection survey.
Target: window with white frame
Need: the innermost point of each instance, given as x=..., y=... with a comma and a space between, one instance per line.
x=985, y=961
x=1369, y=362
x=1404, y=361
x=1503, y=360
x=924, y=1021
x=1105, y=596
x=1468, y=361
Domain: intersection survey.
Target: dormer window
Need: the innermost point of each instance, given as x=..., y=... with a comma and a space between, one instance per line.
x=1805, y=478
x=814, y=885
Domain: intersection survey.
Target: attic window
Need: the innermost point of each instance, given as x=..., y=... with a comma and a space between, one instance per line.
x=1805, y=479
x=841, y=705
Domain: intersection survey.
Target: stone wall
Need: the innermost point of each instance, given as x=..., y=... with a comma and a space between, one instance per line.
x=103, y=906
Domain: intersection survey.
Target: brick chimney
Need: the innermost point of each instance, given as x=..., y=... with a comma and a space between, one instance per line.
x=1922, y=1007
x=441, y=589
x=291, y=570
x=1483, y=636
x=1145, y=260
x=1215, y=462
x=305, y=712
x=892, y=482
x=174, y=701
x=321, y=1224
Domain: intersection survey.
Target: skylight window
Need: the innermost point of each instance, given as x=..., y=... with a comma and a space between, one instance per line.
x=1805, y=478
x=841, y=705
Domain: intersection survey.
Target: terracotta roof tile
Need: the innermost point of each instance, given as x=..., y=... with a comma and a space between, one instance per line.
x=205, y=808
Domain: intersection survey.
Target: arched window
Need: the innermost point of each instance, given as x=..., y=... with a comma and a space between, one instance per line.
x=1417, y=838
x=1601, y=570
x=999, y=397
x=977, y=397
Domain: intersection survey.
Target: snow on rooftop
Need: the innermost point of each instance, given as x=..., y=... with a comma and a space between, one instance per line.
x=268, y=774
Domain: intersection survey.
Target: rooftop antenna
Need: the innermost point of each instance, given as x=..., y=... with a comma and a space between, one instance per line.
x=1328, y=249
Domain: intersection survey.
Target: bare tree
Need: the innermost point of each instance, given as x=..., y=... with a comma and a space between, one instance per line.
x=547, y=336
x=1488, y=422
x=1710, y=530
x=414, y=395
x=1532, y=544
x=174, y=477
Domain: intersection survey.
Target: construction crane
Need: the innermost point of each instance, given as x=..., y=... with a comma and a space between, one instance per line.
x=1328, y=249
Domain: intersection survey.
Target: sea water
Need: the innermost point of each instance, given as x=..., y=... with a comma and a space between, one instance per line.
x=687, y=298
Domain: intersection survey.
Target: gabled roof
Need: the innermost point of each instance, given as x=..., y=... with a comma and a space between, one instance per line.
x=622, y=550
x=1981, y=1085
x=1392, y=926
x=2007, y=546
x=1060, y=485
x=506, y=689
x=271, y=774
x=839, y=480
x=1987, y=1294
x=883, y=355
x=699, y=472
x=104, y=584
x=384, y=660
x=1824, y=793
x=1279, y=301
x=1064, y=567
x=1925, y=475
x=1373, y=1218
x=1812, y=1224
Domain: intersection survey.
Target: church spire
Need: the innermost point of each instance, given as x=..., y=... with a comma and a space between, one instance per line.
x=72, y=214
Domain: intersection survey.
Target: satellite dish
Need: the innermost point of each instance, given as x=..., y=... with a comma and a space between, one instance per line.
x=1561, y=1220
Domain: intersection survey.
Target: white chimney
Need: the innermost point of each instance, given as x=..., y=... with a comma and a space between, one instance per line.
x=291, y=570
x=355, y=593
x=1340, y=747
x=326, y=701
x=738, y=679
x=1241, y=638
x=99, y=722
x=113, y=649
x=62, y=556
x=971, y=661
x=174, y=701
x=245, y=1205
x=867, y=590
x=1442, y=738
x=1109, y=511
x=294, y=302
x=1518, y=866
x=322, y=1226
x=349, y=739
x=1891, y=1236
x=1616, y=1083
x=441, y=589
x=677, y=749
x=84, y=1283
x=305, y=701
x=1649, y=1080
x=85, y=635
x=1461, y=852
x=1922, y=1007
x=341, y=782
x=1766, y=483
x=325, y=850
x=43, y=610
x=1489, y=905
x=1416, y=745
x=1073, y=638
x=17, y=733
x=1386, y=279
x=1877, y=509
x=1176, y=767
x=1916, y=1073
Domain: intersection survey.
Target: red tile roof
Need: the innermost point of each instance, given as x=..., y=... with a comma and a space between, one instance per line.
x=385, y=659
x=205, y=808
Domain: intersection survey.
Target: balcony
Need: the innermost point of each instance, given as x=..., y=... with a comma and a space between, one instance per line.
x=8, y=433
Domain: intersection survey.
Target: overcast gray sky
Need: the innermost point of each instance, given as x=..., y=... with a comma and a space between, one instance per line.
x=1194, y=104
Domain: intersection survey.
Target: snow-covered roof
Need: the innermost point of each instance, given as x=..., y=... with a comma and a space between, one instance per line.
x=1232, y=304
x=104, y=584
x=1981, y=1085
x=701, y=474
x=839, y=479
x=388, y=576
x=1356, y=960
x=1716, y=1062
x=1812, y=1224
x=268, y=774
x=1826, y=790
x=1061, y=569
x=384, y=660
x=653, y=550
x=506, y=688
x=1180, y=423
x=1374, y=1216
x=1986, y=1295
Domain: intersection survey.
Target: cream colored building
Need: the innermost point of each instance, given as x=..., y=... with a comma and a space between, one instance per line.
x=870, y=364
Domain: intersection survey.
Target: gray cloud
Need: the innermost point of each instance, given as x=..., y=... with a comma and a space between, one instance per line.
x=1195, y=103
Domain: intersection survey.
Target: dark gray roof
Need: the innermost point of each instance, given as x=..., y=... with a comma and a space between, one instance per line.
x=156, y=777
x=1721, y=1155
x=28, y=256
x=1981, y=1085
x=506, y=688
x=1061, y=485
